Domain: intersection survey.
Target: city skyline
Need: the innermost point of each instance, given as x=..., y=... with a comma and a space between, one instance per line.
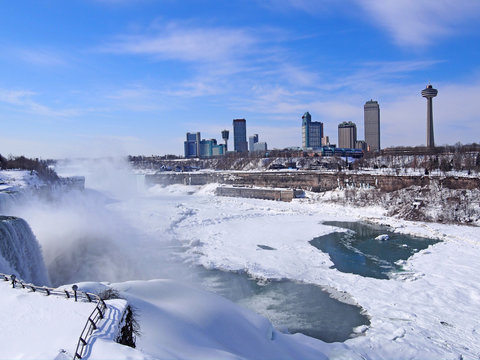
x=118, y=77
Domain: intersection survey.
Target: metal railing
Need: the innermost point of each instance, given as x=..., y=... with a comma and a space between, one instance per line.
x=90, y=326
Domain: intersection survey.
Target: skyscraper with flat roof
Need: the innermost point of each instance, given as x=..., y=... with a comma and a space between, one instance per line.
x=347, y=135
x=312, y=132
x=240, y=135
x=192, y=145
x=372, y=125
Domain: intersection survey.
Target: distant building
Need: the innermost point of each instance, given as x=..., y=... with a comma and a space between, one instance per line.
x=312, y=132
x=360, y=144
x=218, y=150
x=252, y=140
x=206, y=148
x=372, y=125
x=240, y=135
x=325, y=141
x=192, y=145
x=347, y=135
x=260, y=146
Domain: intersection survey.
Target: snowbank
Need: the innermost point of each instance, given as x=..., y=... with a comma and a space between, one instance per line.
x=35, y=326
x=180, y=322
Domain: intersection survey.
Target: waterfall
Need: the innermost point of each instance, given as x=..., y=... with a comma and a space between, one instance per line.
x=20, y=252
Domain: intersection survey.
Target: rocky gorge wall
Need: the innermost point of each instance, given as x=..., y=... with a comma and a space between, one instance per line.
x=312, y=180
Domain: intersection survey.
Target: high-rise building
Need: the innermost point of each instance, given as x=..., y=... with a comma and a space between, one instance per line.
x=252, y=140
x=312, y=132
x=429, y=92
x=360, y=144
x=219, y=149
x=192, y=145
x=206, y=148
x=240, y=135
x=372, y=125
x=325, y=141
x=260, y=146
x=347, y=135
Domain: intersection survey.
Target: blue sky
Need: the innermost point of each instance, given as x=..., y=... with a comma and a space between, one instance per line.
x=116, y=77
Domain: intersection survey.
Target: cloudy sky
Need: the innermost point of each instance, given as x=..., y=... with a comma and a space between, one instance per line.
x=105, y=77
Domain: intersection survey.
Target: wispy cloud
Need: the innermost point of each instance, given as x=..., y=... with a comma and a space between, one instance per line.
x=22, y=100
x=310, y=6
x=189, y=44
x=409, y=22
x=420, y=22
x=40, y=57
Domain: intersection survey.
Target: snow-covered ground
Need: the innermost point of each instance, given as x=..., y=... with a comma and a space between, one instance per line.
x=14, y=180
x=181, y=322
x=35, y=326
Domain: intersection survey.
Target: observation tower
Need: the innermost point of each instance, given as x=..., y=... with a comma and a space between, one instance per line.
x=429, y=92
x=225, y=137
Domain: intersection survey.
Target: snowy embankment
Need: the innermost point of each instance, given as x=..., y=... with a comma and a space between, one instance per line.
x=14, y=180
x=35, y=326
x=180, y=322
x=177, y=322
x=429, y=312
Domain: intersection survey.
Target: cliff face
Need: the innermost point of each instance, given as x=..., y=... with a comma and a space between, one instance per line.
x=448, y=199
x=20, y=252
x=312, y=180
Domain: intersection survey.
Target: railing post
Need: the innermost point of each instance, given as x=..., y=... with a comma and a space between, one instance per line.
x=100, y=311
x=75, y=288
x=68, y=295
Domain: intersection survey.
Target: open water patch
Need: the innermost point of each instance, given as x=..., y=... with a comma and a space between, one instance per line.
x=361, y=251
x=290, y=306
x=265, y=247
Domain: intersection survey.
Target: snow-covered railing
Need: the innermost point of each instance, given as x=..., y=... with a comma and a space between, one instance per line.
x=90, y=326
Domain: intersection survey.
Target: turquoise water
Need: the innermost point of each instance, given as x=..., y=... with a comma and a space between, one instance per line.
x=357, y=251
x=296, y=307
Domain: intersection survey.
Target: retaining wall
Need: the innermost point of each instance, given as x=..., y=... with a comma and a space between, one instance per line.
x=266, y=194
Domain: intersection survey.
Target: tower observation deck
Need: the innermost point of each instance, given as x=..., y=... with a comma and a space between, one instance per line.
x=429, y=92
